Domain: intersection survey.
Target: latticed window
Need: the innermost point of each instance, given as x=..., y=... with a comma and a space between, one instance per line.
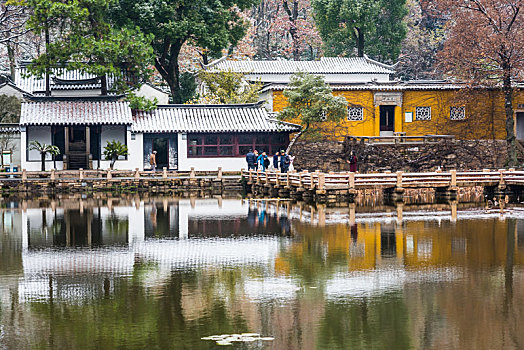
x=457, y=113
x=423, y=113
x=355, y=113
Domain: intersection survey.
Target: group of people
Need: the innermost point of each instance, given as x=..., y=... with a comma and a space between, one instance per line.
x=281, y=160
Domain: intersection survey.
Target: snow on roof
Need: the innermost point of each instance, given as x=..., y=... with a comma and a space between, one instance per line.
x=81, y=111
x=326, y=65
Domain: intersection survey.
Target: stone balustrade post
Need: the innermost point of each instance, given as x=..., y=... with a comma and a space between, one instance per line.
x=24, y=175
x=219, y=174
x=81, y=174
x=453, y=178
x=352, y=181
x=137, y=174
x=192, y=174
x=399, y=179
x=109, y=176
x=164, y=173
x=322, y=181
x=53, y=176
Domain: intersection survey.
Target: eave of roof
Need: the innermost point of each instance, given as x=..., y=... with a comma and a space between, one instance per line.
x=79, y=111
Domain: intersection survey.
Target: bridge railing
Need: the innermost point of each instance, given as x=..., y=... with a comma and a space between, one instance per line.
x=347, y=180
x=112, y=174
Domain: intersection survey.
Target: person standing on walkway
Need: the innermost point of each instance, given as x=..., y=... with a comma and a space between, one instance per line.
x=275, y=161
x=256, y=159
x=261, y=160
x=152, y=161
x=285, y=161
x=352, y=161
x=251, y=159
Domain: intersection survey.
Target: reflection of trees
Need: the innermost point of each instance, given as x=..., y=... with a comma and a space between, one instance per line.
x=135, y=318
x=318, y=252
x=378, y=323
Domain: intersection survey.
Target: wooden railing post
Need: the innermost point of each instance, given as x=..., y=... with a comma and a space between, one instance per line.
x=137, y=174
x=312, y=181
x=250, y=176
x=81, y=174
x=352, y=181
x=258, y=176
x=288, y=180
x=219, y=175
x=192, y=174
x=24, y=175
x=164, y=173
x=453, y=178
x=399, y=179
x=277, y=178
x=109, y=176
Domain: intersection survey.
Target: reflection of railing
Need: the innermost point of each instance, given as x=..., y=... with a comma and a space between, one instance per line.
x=335, y=181
x=401, y=138
x=116, y=174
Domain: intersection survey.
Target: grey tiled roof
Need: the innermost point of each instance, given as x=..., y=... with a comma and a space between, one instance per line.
x=326, y=65
x=210, y=118
x=32, y=84
x=75, y=112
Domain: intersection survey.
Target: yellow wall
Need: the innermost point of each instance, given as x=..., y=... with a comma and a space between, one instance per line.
x=485, y=115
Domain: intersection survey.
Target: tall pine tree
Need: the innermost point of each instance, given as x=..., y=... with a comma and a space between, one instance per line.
x=358, y=27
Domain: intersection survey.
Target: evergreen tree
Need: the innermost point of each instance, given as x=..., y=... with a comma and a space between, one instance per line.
x=311, y=103
x=79, y=35
x=211, y=25
x=373, y=27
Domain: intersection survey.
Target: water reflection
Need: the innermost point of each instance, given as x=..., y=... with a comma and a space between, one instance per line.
x=164, y=272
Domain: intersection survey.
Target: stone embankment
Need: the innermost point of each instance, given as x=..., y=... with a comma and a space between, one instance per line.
x=410, y=157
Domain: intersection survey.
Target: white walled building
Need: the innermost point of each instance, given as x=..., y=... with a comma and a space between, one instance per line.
x=201, y=136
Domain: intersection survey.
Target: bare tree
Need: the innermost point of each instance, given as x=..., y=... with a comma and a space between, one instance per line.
x=485, y=47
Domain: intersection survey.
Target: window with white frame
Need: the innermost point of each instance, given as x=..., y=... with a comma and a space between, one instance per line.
x=457, y=113
x=355, y=113
x=423, y=113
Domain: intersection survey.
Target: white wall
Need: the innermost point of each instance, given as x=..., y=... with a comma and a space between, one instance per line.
x=329, y=78
x=135, y=148
x=227, y=164
x=11, y=91
x=150, y=92
x=41, y=134
x=76, y=93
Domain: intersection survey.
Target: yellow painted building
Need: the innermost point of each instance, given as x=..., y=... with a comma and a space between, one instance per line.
x=416, y=109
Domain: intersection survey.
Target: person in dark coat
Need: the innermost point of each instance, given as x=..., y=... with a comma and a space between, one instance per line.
x=352, y=162
x=251, y=159
x=285, y=161
x=275, y=161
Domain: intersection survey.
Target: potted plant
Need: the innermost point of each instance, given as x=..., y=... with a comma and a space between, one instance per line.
x=43, y=149
x=113, y=150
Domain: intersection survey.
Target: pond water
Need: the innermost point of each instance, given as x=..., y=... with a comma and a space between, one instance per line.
x=162, y=273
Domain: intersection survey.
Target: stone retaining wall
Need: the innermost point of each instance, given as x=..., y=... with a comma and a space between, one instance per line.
x=160, y=186
x=446, y=154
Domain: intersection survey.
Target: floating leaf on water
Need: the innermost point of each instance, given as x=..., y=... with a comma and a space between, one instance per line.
x=223, y=342
x=267, y=338
x=207, y=338
x=248, y=339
